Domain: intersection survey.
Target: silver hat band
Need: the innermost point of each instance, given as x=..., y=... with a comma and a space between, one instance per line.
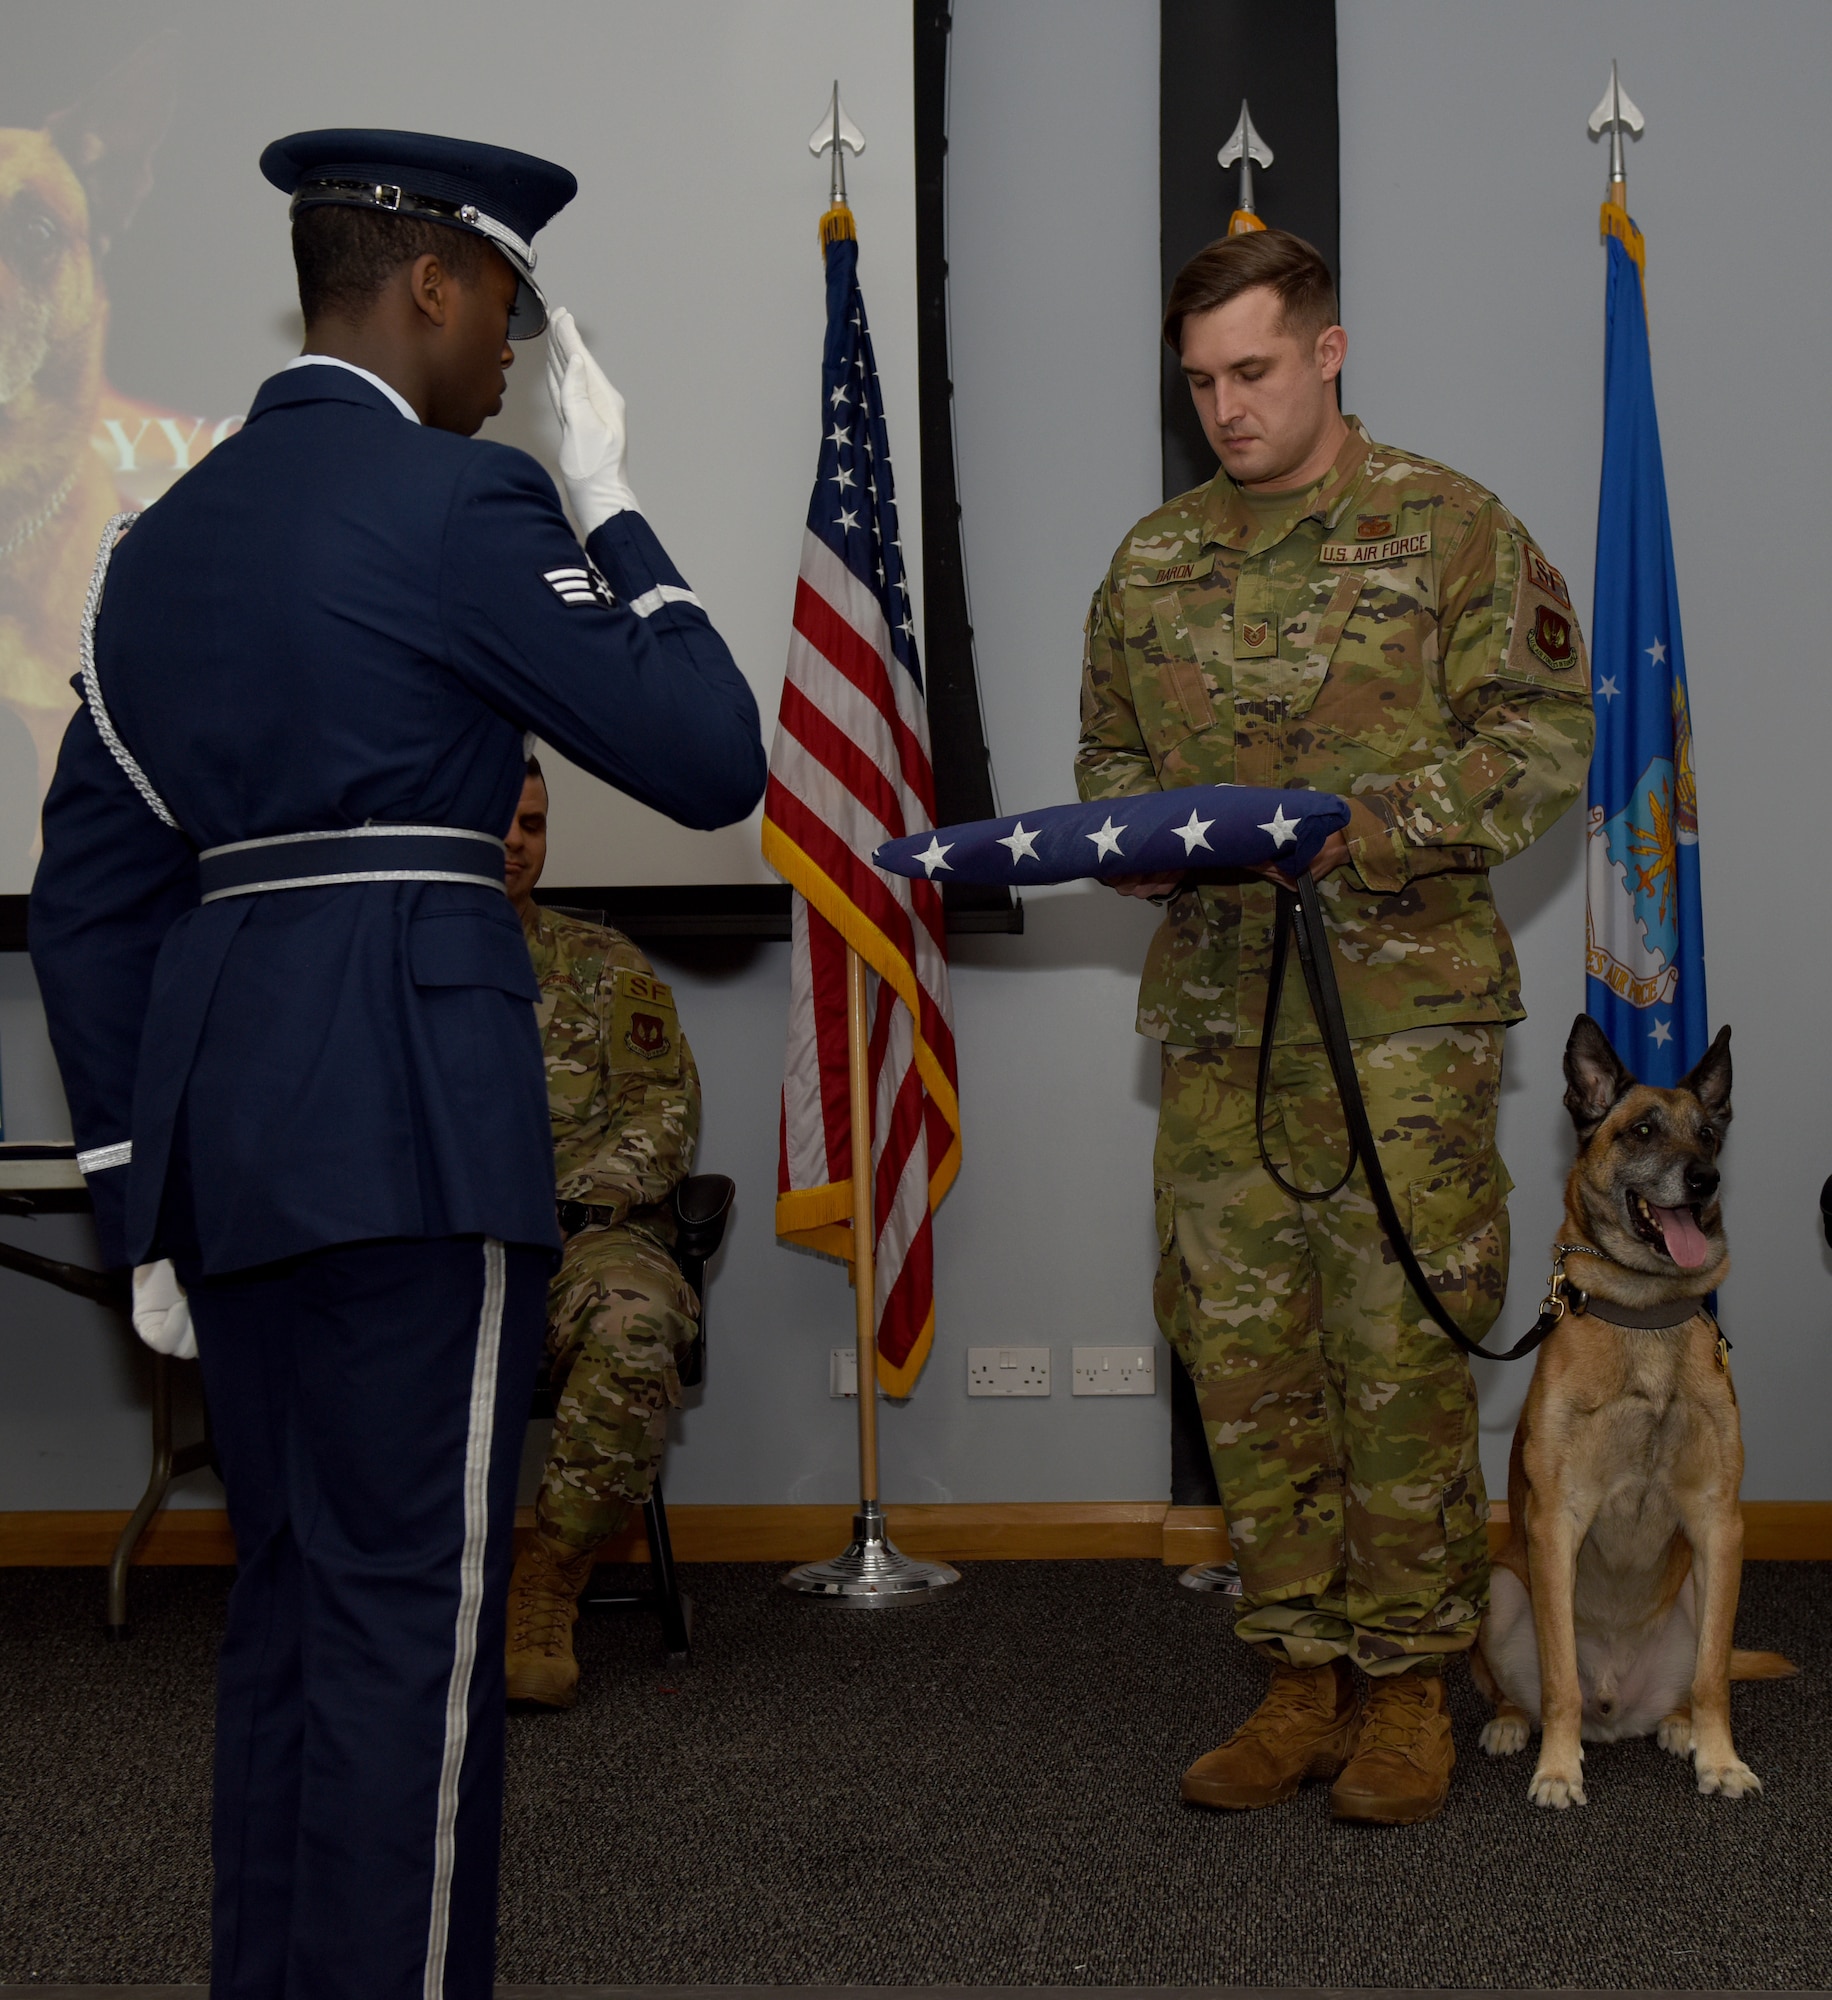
x=527, y=317
x=399, y=201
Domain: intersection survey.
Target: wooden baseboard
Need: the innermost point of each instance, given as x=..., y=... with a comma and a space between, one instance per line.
x=1774, y=1531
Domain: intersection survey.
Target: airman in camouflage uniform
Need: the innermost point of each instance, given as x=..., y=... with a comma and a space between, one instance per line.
x=624, y=1099
x=1392, y=634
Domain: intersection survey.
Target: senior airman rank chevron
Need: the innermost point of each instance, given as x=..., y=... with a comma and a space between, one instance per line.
x=1195, y=828
x=850, y=765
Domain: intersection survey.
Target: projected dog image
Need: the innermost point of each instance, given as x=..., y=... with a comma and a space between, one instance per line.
x=72, y=450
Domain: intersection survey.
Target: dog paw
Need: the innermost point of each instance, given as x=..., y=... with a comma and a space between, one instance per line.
x=1506, y=1735
x=1731, y=1780
x=1552, y=1788
x=1675, y=1735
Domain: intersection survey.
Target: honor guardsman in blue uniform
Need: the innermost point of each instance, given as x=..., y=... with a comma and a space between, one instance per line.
x=294, y=1011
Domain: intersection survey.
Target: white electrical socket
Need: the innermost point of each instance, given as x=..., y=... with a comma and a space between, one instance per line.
x=843, y=1371
x=1008, y=1371
x=1115, y=1371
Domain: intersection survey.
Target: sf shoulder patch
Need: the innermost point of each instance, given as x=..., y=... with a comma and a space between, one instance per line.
x=1545, y=645
x=645, y=1030
x=580, y=586
x=1543, y=577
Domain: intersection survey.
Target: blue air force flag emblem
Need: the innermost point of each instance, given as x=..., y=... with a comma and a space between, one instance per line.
x=1191, y=830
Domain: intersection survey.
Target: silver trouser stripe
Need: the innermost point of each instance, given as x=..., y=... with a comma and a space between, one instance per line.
x=368, y=875
x=478, y=1438
x=652, y=601
x=99, y=1158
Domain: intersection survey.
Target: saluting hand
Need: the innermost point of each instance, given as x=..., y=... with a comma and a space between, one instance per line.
x=593, y=437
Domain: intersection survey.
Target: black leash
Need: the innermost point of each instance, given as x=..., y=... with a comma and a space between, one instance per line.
x=1302, y=913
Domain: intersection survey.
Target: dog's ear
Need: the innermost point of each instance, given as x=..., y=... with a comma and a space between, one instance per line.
x=110, y=136
x=1709, y=1078
x=1596, y=1078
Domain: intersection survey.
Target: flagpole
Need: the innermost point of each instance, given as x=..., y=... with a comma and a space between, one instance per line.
x=871, y=1571
x=864, y=1251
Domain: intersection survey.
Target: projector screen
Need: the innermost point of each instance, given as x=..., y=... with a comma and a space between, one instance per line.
x=689, y=258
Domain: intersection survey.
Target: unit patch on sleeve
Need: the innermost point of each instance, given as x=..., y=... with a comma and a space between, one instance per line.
x=581, y=586
x=645, y=1030
x=1550, y=639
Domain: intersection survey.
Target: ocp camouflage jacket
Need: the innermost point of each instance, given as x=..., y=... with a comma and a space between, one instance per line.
x=1392, y=635
x=622, y=1089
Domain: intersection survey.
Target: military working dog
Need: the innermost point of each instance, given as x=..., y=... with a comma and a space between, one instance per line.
x=1613, y=1602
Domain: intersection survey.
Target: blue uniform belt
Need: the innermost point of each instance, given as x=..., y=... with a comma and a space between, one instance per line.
x=351, y=854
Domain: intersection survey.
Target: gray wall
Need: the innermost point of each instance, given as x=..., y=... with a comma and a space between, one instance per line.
x=1473, y=288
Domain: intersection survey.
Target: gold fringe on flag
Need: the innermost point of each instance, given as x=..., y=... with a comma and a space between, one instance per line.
x=837, y=226
x=1242, y=221
x=1617, y=222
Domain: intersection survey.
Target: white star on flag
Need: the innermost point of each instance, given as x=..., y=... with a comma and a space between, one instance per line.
x=839, y=436
x=841, y=477
x=839, y=396
x=848, y=519
x=1107, y=840
x=932, y=856
x=1020, y=842
x=1663, y=1033
x=1192, y=835
x=1657, y=652
x=1280, y=828
x=1608, y=689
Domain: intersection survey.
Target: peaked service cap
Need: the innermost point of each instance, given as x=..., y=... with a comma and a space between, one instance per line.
x=487, y=191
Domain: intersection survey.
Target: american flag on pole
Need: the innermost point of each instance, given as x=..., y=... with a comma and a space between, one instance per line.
x=850, y=769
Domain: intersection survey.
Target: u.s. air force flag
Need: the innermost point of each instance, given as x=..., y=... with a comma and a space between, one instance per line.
x=1194, y=828
x=1644, y=954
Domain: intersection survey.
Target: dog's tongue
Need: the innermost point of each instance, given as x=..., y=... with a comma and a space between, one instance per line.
x=1686, y=1243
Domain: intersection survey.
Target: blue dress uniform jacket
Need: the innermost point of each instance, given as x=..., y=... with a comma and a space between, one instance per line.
x=338, y=618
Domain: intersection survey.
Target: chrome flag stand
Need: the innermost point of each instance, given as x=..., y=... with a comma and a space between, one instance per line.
x=871, y=1570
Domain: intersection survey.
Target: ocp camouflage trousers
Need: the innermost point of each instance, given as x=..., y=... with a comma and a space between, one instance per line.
x=620, y=1319
x=1341, y=1421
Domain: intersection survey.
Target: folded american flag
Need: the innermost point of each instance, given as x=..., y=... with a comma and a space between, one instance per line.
x=1197, y=827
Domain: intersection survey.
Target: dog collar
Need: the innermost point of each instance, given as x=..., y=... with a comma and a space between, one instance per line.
x=1645, y=1319
x=1563, y=1297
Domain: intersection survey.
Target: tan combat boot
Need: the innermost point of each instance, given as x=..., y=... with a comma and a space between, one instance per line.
x=1305, y=1728
x=1400, y=1771
x=543, y=1603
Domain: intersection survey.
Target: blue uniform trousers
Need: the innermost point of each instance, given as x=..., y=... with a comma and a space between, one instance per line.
x=369, y=1403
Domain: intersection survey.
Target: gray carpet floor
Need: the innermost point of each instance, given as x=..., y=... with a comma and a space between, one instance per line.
x=980, y=1791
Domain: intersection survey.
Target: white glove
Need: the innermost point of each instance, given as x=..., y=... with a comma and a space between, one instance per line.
x=593, y=440
x=162, y=1313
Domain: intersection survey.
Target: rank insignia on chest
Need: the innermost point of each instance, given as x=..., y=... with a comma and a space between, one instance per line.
x=1254, y=639
x=1550, y=639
